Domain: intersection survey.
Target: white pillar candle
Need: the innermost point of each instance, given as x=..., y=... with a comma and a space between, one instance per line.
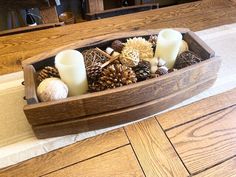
x=168, y=45
x=71, y=67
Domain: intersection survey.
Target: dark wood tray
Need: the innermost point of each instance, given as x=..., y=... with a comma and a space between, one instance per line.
x=120, y=105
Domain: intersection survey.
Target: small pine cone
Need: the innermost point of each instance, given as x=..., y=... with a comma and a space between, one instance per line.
x=185, y=59
x=161, y=71
x=94, y=71
x=143, y=70
x=117, y=75
x=117, y=45
x=47, y=72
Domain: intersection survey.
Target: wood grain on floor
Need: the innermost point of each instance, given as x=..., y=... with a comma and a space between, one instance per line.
x=117, y=163
x=160, y=159
x=198, y=109
x=226, y=169
x=207, y=141
x=69, y=155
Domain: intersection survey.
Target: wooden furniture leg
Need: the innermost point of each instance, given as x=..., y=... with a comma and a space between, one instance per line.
x=95, y=6
x=49, y=14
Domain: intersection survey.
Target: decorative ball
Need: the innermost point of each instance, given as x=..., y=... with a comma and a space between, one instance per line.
x=129, y=57
x=92, y=56
x=51, y=89
x=183, y=47
x=185, y=59
x=117, y=45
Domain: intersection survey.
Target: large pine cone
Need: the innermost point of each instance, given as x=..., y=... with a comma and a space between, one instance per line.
x=185, y=59
x=117, y=75
x=143, y=70
x=47, y=72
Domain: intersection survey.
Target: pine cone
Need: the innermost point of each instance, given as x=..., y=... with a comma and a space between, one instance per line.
x=142, y=70
x=95, y=86
x=94, y=71
x=47, y=72
x=185, y=59
x=117, y=75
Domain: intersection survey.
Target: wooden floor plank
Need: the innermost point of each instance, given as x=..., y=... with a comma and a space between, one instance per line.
x=66, y=156
x=206, y=142
x=226, y=169
x=198, y=109
x=154, y=151
x=118, y=163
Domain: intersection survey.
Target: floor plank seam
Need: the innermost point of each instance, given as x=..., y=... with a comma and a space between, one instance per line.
x=173, y=147
x=135, y=153
x=86, y=159
x=212, y=166
x=200, y=117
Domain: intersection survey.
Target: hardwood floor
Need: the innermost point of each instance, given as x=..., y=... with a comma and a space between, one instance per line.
x=200, y=143
x=196, y=16
x=160, y=159
x=207, y=141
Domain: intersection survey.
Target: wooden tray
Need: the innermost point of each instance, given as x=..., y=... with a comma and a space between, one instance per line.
x=120, y=105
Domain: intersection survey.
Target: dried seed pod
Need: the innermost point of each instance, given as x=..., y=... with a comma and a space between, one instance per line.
x=129, y=57
x=142, y=46
x=162, y=71
x=153, y=40
x=117, y=45
x=183, y=47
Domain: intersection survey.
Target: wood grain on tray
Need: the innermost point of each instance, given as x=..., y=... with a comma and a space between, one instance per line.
x=120, y=105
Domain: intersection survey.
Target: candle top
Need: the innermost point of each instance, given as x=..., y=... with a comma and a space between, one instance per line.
x=169, y=35
x=68, y=58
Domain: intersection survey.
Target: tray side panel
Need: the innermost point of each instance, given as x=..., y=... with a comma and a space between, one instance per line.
x=198, y=46
x=120, y=116
x=30, y=85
